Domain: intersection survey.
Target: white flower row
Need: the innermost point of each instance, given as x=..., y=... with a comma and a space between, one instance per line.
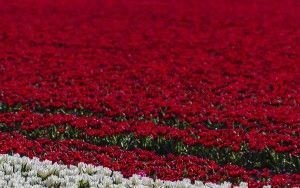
x=16, y=171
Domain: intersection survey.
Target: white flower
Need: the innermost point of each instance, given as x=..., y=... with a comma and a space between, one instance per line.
x=243, y=185
x=52, y=181
x=267, y=186
x=117, y=177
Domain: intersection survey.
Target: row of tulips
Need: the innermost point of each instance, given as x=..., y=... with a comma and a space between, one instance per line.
x=287, y=128
x=247, y=149
x=282, y=138
x=277, y=162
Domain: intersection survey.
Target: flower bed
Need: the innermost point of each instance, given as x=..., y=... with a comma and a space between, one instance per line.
x=187, y=91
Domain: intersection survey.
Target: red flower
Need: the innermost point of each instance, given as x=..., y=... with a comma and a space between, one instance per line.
x=61, y=130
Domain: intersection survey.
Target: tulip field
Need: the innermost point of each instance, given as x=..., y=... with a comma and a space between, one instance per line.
x=150, y=93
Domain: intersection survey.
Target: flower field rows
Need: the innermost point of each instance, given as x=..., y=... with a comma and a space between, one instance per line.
x=187, y=93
